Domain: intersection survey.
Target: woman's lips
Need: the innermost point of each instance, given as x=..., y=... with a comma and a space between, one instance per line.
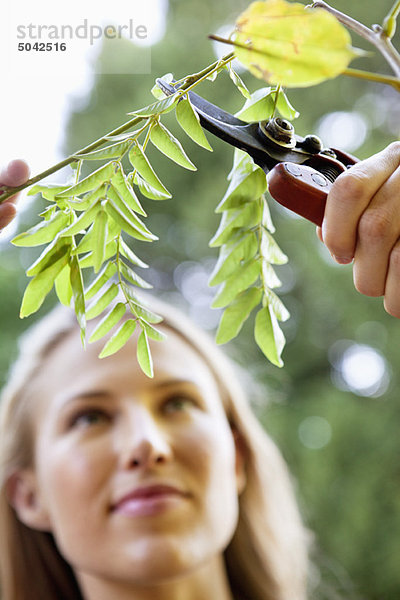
x=149, y=500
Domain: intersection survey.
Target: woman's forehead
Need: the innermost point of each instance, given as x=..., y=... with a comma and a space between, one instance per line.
x=71, y=366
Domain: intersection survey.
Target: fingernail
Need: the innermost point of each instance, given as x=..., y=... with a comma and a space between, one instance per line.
x=342, y=260
x=323, y=230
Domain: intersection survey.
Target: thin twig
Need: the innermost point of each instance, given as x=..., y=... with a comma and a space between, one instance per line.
x=375, y=36
x=6, y=191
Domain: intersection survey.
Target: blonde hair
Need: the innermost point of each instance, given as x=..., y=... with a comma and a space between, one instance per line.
x=267, y=556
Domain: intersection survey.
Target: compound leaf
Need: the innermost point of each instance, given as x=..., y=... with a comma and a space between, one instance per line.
x=108, y=322
x=144, y=355
x=236, y=314
x=189, y=120
x=119, y=338
x=168, y=144
x=269, y=336
x=38, y=288
x=140, y=162
x=90, y=182
x=231, y=256
x=99, y=304
x=78, y=294
x=44, y=232
x=236, y=283
x=63, y=286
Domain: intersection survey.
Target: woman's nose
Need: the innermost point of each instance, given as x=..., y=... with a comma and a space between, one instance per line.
x=145, y=443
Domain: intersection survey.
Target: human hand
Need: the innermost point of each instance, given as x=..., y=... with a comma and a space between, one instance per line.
x=14, y=174
x=362, y=224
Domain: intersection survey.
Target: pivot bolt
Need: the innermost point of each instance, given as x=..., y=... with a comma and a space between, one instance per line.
x=279, y=131
x=312, y=144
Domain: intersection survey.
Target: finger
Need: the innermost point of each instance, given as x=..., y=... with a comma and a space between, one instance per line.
x=392, y=288
x=15, y=173
x=349, y=197
x=378, y=232
x=7, y=213
x=318, y=231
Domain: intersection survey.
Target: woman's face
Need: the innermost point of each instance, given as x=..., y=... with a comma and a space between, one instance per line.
x=138, y=477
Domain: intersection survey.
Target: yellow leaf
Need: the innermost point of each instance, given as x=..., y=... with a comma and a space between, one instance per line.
x=289, y=44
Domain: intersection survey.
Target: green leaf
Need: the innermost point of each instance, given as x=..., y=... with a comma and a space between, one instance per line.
x=122, y=137
x=130, y=255
x=47, y=190
x=236, y=314
x=270, y=250
x=108, y=322
x=236, y=283
x=269, y=336
x=43, y=232
x=143, y=312
x=238, y=82
x=119, y=339
x=144, y=355
x=87, y=261
x=126, y=191
x=288, y=44
x=91, y=182
x=237, y=218
x=270, y=278
x=259, y=107
x=244, y=187
x=100, y=239
x=147, y=190
x=89, y=199
x=105, y=275
x=276, y=305
x=99, y=304
x=132, y=277
x=128, y=226
x=51, y=254
x=82, y=222
x=48, y=212
x=157, y=108
x=38, y=288
x=78, y=294
x=63, y=286
x=140, y=162
x=285, y=107
x=170, y=146
x=108, y=152
x=128, y=214
x=157, y=91
x=266, y=220
x=189, y=120
x=153, y=333
x=232, y=255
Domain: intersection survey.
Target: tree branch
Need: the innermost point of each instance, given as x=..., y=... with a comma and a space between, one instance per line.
x=375, y=36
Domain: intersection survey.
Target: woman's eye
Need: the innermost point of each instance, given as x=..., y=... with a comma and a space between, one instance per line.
x=89, y=417
x=178, y=403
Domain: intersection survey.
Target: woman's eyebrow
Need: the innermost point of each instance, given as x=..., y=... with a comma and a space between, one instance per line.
x=88, y=395
x=176, y=383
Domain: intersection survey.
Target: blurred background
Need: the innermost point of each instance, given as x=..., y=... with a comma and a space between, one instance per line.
x=333, y=409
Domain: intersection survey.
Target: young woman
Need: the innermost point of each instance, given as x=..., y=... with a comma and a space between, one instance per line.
x=114, y=485
x=117, y=486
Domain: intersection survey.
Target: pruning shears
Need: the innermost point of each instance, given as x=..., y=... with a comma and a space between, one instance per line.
x=300, y=171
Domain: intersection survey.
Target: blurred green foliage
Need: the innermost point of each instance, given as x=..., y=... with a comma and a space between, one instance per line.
x=349, y=488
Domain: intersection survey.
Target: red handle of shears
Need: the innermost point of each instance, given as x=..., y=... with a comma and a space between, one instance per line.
x=302, y=188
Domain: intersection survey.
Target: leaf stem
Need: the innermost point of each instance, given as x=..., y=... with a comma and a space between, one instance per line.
x=11, y=191
x=277, y=92
x=376, y=36
x=193, y=80
x=393, y=81
x=389, y=22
